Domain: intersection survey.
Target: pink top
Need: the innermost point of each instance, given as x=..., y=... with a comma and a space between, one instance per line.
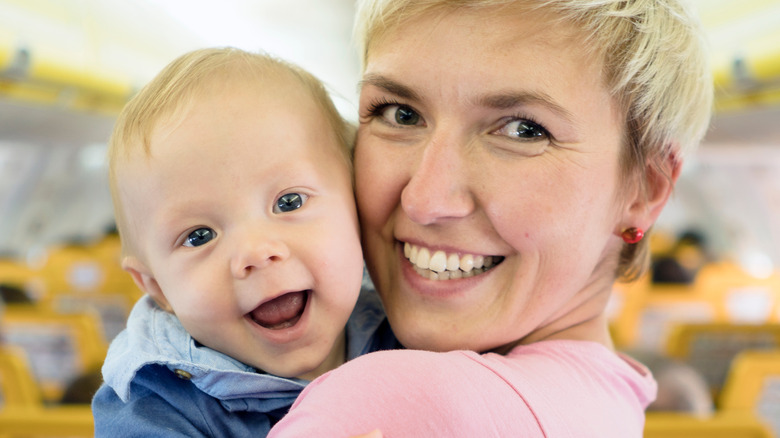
x=546, y=389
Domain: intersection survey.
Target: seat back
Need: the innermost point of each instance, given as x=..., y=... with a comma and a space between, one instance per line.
x=753, y=385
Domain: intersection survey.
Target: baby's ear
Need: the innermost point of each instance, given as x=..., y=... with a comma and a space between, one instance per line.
x=145, y=281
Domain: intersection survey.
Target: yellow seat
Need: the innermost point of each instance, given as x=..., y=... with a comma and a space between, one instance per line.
x=72, y=268
x=710, y=348
x=78, y=278
x=753, y=385
x=17, y=383
x=18, y=274
x=59, y=347
x=46, y=422
x=648, y=312
x=720, y=425
x=722, y=292
x=75, y=278
x=87, y=269
x=743, y=297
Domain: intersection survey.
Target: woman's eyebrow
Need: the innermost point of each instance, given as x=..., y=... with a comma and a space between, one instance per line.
x=512, y=99
x=389, y=86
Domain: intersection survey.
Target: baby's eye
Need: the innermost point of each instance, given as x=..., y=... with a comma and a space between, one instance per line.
x=199, y=237
x=523, y=130
x=400, y=115
x=289, y=202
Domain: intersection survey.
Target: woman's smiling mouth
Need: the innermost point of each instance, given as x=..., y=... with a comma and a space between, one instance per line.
x=438, y=265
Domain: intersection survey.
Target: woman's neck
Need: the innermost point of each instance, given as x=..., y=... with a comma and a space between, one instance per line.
x=584, y=319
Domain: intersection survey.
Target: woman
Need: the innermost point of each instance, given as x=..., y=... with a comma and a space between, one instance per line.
x=509, y=157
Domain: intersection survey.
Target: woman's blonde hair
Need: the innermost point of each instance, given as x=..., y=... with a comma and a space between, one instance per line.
x=169, y=94
x=655, y=67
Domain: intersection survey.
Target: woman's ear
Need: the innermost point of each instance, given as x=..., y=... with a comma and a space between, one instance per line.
x=648, y=201
x=145, y=281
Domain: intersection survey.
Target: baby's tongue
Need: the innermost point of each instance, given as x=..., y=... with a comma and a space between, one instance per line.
x=280, y=312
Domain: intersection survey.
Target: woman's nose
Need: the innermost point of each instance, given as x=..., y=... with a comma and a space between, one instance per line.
x=438, y=188
x=257, y=251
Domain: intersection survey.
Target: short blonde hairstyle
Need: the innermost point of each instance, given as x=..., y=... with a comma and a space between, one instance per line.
x=169, y=94
x=655, y=65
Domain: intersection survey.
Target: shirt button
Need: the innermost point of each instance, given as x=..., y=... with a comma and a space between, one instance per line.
x=183, y=374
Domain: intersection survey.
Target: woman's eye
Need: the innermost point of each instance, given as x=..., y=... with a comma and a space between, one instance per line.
x=400, y=115
x=289, y=202
x=199, y=237
x=523, y=130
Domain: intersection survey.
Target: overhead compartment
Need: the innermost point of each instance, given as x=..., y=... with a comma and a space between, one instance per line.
x=86, y=56
x=745, y=44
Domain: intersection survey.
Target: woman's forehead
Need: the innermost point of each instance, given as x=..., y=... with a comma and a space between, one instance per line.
x=486, y=39
x=460, y=51
x=524, y=24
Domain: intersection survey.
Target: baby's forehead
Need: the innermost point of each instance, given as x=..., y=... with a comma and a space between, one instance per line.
x=263, y=78
x=281, y=89
x=227, y=95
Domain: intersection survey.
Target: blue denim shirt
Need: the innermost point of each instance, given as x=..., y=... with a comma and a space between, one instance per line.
x=160, y=382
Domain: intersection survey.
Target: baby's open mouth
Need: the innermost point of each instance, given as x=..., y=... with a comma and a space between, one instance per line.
x=438, y=265
x=281, y=312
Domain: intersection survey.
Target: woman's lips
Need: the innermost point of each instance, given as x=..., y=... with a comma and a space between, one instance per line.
x=281, y=312
x=439, y=265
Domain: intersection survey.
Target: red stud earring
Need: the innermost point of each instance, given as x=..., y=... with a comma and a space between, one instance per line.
x=632, y=235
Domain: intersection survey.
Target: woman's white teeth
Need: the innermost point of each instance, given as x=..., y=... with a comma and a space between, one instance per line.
x=453, y=262
x=423, y=258
x=438, y=262
x=441, y=266
x=467, y=263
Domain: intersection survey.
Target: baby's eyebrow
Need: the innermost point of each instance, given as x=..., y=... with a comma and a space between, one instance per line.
x=389, y=86
x=512, y=99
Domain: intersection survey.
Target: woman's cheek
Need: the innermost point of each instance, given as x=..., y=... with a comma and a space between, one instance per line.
x=378, y=189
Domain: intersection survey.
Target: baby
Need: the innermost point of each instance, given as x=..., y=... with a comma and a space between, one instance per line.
x=231, y=179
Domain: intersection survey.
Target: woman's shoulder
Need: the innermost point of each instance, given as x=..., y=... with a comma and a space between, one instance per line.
x=586, y=356
x=393, y=375
x=398, y=361
x=533, y=374
x=436, y=394
x=523, y=360
x=555, y=387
